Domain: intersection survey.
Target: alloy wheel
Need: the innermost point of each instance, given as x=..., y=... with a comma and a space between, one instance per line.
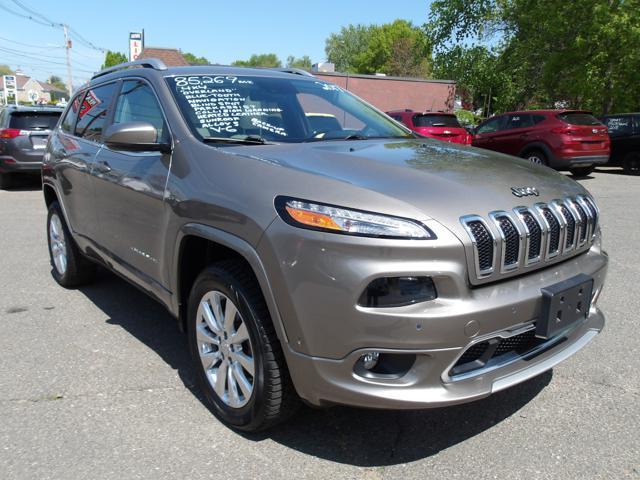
x=535, y=159
x=225, y=349
x=58, y=244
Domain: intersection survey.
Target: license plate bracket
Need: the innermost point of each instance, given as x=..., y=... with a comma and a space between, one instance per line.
x=564, y=304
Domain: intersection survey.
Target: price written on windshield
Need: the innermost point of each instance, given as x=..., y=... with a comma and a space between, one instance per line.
x=207, y=80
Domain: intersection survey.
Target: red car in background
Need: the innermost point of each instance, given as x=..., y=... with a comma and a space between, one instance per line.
x=438, y=125
x=571, y=140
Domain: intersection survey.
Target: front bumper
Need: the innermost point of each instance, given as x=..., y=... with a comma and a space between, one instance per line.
x=426, y=385
x=317, y=278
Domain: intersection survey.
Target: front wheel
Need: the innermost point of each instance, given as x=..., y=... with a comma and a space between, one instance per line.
x=631, y=163
x=581, y=172
x=239, y=361
x=69, y=267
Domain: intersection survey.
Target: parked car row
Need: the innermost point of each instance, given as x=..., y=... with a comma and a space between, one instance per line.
x=571, y=140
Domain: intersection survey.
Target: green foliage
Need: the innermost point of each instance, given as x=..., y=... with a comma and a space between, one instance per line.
x=302, y=62
x=582, y=54
x=56, y=81
x=398, y=48
x=269, y=60
x=467, y=118
x=114, y=58
x=5, y=70
x=193, y=60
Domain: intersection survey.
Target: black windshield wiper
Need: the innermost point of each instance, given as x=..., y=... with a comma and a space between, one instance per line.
x=248, y=140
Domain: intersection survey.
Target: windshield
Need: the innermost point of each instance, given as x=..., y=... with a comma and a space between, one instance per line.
x=421, y=120
x=253, y=108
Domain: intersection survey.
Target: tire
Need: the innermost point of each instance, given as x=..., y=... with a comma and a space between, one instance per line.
x=581, y=172
x=537, y=157
x=69, y=267
x=631, y=163
x=5, y=180
x=263, y=399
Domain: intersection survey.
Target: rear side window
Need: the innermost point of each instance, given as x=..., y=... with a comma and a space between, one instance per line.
x=138, y=103
x=34, y=120
x=578, y=119
x=536, y=119
x=519, y=121
x=436, y=121
x=93, y=112
x=69, y=120
x=619, y=126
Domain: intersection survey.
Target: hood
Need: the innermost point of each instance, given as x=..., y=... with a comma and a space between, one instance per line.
x=444, y=181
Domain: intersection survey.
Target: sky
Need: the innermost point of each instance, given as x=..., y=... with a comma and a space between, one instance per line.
x=211, y=29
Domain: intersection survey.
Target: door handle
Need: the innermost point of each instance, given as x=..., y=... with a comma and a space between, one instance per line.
x=103, y=167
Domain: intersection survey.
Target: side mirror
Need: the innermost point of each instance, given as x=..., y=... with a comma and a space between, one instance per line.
x=134, y=136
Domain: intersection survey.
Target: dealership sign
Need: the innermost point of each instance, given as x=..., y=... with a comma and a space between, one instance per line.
x=10, y=88
x=136, y=42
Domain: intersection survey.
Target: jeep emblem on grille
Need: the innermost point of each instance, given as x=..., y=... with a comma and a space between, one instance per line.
x=524, y=191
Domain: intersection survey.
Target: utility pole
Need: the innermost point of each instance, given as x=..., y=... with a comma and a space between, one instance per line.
x=67, y=47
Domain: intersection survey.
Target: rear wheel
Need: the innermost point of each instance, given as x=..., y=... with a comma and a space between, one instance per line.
x=536, y=157
x=582, y=171
x=631, y=163
x=70, y=267
x=239, y=361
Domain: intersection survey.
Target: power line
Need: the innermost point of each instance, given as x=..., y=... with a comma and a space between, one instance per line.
x=28, y=17
x=28, y=44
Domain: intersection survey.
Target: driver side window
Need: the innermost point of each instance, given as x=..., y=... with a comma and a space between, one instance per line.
x=137, y=103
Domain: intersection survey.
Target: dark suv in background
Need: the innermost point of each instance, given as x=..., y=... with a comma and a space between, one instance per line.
x=562, y=139
x=24, y=132
x=624, y=130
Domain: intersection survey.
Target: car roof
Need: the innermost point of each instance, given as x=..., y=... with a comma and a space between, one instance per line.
x=619, y=114
x=34, y=108
x=547, y=112
x=141, y=67
x=420, y=113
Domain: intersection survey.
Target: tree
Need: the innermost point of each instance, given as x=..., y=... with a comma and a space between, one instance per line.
x=193, y=60
x=302, y=62
x=268, y=60
x=114, y=58
x=5, y=70
x=397, y=48
x=583, y=54
x=57, y=82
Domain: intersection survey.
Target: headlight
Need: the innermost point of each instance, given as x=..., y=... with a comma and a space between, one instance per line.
x=334, y=219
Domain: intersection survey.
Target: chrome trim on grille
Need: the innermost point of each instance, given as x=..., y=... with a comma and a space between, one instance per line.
x=466, y=220
x=496, y=217
x=520, y=213
x=563, y=211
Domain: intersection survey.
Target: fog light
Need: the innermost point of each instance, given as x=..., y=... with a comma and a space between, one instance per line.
x=398, y=291
x=370, y=360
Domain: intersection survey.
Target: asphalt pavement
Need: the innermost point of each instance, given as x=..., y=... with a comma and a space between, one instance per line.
x=96, y=383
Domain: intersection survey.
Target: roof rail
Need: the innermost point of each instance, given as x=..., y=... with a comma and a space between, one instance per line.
x=295, y=71
x=154, y=63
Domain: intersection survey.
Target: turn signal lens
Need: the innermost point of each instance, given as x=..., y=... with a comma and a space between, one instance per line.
x=312, y=219
x=330, y=218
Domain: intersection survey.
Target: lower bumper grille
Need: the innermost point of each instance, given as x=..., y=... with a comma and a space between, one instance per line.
x=496, y=350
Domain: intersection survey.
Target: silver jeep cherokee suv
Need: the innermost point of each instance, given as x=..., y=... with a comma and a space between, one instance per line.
x=313, y=248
